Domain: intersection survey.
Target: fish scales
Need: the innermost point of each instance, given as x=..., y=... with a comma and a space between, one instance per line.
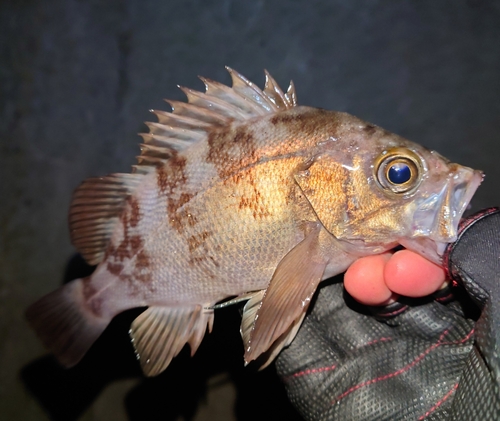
x=242, y=193
x=196, y=241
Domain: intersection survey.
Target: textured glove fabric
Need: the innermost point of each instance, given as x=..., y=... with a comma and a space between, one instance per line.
x=474, y=260
x=436, y=360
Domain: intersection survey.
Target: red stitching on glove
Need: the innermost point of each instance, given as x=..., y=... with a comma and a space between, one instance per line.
x=406, y=367
x=378, y=340
x=439, y=403
x=310, y=371
x=323, y=369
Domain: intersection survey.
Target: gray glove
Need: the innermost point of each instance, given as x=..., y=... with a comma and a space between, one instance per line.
x=435, y=358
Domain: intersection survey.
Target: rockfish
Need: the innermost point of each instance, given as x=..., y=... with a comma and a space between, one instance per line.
x=241, y=195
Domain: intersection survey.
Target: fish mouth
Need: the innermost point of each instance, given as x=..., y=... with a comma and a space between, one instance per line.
x=436, y=219
x=427, y=248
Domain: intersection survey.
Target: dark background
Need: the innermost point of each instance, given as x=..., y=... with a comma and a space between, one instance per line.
x=77, y=78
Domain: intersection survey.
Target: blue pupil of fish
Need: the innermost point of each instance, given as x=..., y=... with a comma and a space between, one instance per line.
x=399, y=173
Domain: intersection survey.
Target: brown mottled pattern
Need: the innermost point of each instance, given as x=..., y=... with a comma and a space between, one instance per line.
x=114, y=268
x=237, y=152
x=135, y=214
x=233, y=148
x=172, y=174
x=123, y=251
x=179, y=218
x=287, y=119
x=142, y=266
x=161, y=178
x=142, y=260
x=308, y=122
x=135, y=243
x=199, y=254
x=254, y=200
x=131, y=245
x=230, y=151
x=196, y=241
x=169, y=178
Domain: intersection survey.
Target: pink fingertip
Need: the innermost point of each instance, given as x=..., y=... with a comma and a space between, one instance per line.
x=409, y=274
x=364, y=281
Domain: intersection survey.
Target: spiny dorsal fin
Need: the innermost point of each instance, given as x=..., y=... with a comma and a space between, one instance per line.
x=217, y=106
x=98, y=202
x=95, y=208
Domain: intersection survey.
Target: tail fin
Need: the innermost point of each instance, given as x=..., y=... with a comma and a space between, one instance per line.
x=64, y=324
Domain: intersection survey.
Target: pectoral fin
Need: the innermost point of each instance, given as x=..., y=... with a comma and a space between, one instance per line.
x=286, y=299
x=284, y=340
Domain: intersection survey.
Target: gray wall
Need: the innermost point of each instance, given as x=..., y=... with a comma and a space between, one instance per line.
x=77, y=78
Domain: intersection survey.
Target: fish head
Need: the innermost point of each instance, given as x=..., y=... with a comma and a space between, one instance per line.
x=374, y=193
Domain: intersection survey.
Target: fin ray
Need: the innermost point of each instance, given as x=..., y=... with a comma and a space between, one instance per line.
x=283, y=341
x=229, y=95
x=94, y=211
x=274, y=92
x=218, y=106
x=249, y=313
x=288, y=294
x=160, y=333
x=63, y=324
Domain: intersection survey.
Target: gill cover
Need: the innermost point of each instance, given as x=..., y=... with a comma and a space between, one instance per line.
x=329, y=187
x=366, y=201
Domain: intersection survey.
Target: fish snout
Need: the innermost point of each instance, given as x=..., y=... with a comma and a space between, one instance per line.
x=436, y=218
x=462, y=184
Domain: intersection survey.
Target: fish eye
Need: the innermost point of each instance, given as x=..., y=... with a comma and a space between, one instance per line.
x=398, y=170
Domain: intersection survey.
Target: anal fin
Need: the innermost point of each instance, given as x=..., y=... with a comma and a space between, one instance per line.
x=160, y=333
x=285, y=301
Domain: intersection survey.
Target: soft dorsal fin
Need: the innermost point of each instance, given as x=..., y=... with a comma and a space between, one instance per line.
x=189, y=122
x=96, y=206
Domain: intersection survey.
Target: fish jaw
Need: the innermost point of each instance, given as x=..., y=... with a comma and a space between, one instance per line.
x=427, y=248
x=436, y=219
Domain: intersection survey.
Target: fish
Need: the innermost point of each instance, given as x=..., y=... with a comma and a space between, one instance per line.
x=242, y=195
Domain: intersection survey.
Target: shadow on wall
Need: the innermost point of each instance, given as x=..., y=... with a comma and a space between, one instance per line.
x=65, y=394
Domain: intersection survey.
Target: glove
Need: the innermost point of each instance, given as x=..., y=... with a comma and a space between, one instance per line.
x=435, y=358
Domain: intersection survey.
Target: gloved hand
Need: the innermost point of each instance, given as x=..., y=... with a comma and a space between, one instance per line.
x=435, y=358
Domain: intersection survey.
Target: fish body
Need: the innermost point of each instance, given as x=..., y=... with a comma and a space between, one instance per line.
x=242, y=193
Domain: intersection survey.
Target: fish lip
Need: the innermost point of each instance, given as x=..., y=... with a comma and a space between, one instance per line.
x=462, y=185
x=472, y=179
x=426, y=247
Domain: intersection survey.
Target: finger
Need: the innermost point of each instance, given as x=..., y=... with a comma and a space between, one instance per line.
x=364, y=280
x=407, y=273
